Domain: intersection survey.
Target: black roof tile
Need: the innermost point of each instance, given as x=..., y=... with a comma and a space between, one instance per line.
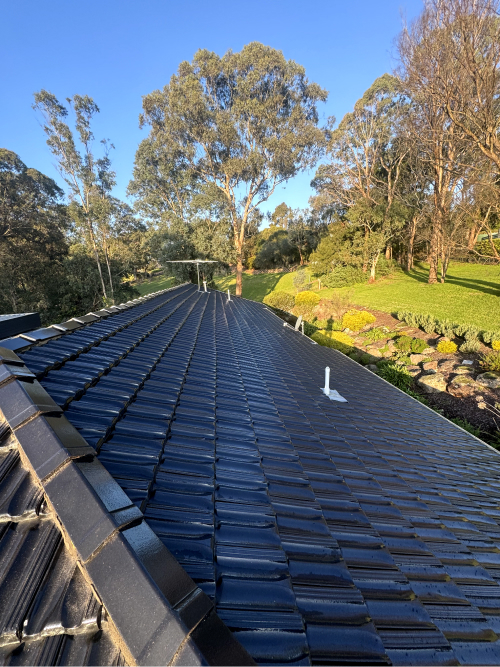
x=363, y=533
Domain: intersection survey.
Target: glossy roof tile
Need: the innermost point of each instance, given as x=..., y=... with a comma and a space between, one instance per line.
x=365, y=532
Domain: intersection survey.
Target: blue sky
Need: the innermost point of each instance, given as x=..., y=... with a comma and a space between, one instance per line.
x=119, y=50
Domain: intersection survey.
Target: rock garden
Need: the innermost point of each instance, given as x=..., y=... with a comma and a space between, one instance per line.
x=453, y=368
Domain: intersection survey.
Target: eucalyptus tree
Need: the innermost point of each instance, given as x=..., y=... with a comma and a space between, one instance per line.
x=465, y=38
x=89, y=178
x=366, y=152
x=244, y=123
x=442, y=144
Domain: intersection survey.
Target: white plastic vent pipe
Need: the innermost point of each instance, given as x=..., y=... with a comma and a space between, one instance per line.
x=326, y=388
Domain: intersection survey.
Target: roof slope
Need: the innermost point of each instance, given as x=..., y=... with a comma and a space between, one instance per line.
x=365, y=532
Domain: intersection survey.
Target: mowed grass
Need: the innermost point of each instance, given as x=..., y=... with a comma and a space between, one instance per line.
x=154, y=285
x=470, y=295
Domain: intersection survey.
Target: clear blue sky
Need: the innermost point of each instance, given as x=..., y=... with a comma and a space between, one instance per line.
x=119, y=50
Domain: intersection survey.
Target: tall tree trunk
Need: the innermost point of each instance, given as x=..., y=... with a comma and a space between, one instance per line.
x=373, y=267
x=301, y=258
x=411, y=244
x=105, y=246
x=98, y=261
x=434, y=249
x=365, y=251
x=239, y=270
x=388, y=252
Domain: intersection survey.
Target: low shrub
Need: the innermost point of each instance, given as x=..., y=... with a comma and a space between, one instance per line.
x=325, y=338
x=387, y=267
x=445, y=328
x=491, y=361
x=309, y=299
x=484, y=247
x=470, y=346
x=495, y=344
x=490, y=336
x=357, y=319
x=344, y=276
x=281, y=300
x=408, y=344
x=366, y=359
x=300, y=279
x=467, y=331
x=396, y=375
x=463, y=423
x=446, y=347
x=403, y=344
x=375, y=334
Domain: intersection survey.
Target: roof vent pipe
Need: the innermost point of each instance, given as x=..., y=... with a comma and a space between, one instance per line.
x=205, y=285
x=228, y=295
x=332, y=394
x=326, y=388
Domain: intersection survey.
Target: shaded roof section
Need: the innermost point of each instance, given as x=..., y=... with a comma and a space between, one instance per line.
x=365, y=532
x=48, y=611
x=144, y=608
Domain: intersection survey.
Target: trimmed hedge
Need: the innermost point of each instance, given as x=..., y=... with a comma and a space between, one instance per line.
x=309, y=299
x=343, y=276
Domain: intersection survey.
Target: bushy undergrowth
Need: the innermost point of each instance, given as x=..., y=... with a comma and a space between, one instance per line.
x=446, y=347
x=281, y=300
x=450, y=329
x=396, y=375
x=343, y=276
x=335, y=307
x=309, y=299
x=408, y=344
x=357, y=319
x=328, y=339
x=375, y=334
x=463, y=423
x=491, y=361
x=470, y=346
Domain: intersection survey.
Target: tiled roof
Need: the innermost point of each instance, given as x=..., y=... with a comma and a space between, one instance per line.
x=365, y=532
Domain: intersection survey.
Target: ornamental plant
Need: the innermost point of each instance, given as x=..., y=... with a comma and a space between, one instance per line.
x=446, y=347
x=309, y=299
x=491, y=361
x=357, y=319
x=281, y=300
x=334, y=339
x=495, y=344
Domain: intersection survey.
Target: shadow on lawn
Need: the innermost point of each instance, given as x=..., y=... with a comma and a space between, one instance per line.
x=421, y=275
x=266, y=284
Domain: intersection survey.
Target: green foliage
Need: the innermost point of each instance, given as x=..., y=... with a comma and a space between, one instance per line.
x=281, y=300
x=490, y=336
x=343, y=276
x=484, y=247
x=250, y=115
x=470, y=346
x=446, y=347
x=396, y=375
x=366, y=358
x=274, y=249
x=445, y=328
x=334, y=339
x=467, y=426
x=408, y=344
x=357, y=319
x=309, y=299
x=491, y=361
x=300, y=279
x=467, y=331
x=375, y=334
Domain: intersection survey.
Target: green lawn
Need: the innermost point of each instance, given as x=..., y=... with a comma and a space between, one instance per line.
x=470, y=294
x=154, y=285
